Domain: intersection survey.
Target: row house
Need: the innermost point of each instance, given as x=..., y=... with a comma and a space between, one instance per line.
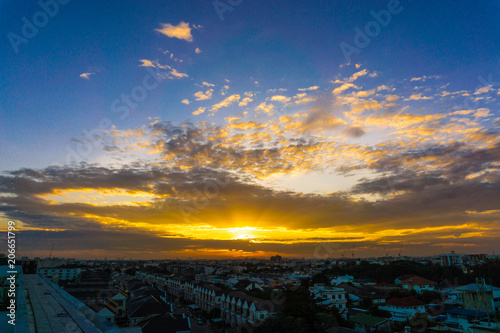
x=208, y=297
x=238, y=309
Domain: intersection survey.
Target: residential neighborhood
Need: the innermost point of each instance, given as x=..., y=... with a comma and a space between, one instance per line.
x=286, y=295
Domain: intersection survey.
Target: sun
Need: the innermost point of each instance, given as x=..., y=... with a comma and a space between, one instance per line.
x=242, y=233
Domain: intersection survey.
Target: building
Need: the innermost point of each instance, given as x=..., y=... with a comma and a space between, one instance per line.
x=60, y=274
x=419, y=284
x=238, y=309
x=402, y=309
x=55, y=310
x=364, y=322
x=276, y=259
x=330, y=296
x=479, y=297
x=450, y=259
x=342, y=279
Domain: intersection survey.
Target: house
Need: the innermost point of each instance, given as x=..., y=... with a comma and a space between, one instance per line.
x=330, y=296
x=419, y=284
x=402, y=309
x=364, y=322
x=165, y=323
x=462, y=320
x=117, y=305
x=479, y=297
x=142, y=307
x=356, y=294
x=342, y=279
x=237, y=308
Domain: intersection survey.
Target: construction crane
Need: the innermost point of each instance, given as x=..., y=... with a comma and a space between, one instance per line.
x=386, y=253
x=52, y=248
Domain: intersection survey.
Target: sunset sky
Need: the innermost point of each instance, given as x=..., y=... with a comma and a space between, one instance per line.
x=232, y=129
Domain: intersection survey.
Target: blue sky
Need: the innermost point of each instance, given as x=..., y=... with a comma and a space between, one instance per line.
x=429, y=79
x=44, y=102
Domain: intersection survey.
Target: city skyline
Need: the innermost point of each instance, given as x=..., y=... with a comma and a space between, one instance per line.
x=233, y=130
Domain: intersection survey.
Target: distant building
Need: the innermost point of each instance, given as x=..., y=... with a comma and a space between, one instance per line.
x=475, y=258
x=60, y=274
x=450, y=259
x=276, y=258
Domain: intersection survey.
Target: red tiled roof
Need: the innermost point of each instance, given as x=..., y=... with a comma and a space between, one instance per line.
x=417, y=280
x=404, y=302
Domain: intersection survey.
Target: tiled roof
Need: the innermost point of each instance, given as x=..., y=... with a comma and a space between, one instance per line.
x=405, y=302
x=477, y=287
x=417, y=280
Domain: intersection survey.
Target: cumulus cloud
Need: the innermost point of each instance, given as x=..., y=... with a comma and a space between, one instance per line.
x=180, y=31
x=201, y=96
x=344, y=87
x=226, y=102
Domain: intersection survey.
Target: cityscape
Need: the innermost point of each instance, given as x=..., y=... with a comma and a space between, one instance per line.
x=231, y=166
x=451, y=293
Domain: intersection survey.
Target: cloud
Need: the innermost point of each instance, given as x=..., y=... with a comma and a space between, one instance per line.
x=344, y=87
x=168, y=71
x=146, y=63
x=310, y=88
x=180, y=31
x=185, y=101
x=354, y=132
x=280, y=98
x=264, y=107
x=483, y=90
x=197, y=50
x=226, y=102
x=208, y=84
x=391, y=98
x=425, y=78
x=414, y=190
x=357, y=75
x=199, y=111
x=175, y=73
x=418, y=97
x=201, y=96
x=245, y=101
x=86, y=75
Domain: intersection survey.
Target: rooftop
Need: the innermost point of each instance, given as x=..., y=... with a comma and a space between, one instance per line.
x=54, y=310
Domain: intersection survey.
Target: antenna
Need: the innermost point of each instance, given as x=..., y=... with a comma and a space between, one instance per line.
x=353, y=251
x=386, y=253
x=399, y=254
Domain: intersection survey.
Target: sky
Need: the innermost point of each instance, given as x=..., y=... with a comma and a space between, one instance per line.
x=238, y=129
